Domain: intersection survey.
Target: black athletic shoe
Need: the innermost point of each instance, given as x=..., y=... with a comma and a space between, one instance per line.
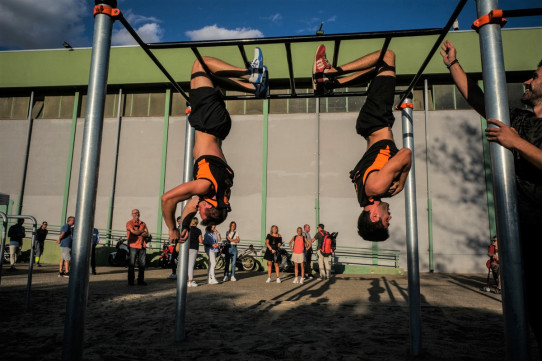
x=141, y=283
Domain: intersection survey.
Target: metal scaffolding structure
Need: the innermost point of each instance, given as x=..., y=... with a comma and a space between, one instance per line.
x=106, y=13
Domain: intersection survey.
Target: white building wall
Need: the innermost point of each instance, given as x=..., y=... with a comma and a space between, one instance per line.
x=457, y=180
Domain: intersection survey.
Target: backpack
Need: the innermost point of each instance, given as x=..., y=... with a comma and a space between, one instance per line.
x=327, y=245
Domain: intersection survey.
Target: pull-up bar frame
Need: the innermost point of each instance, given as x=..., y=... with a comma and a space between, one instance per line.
x=288, y=41
x=78, y=286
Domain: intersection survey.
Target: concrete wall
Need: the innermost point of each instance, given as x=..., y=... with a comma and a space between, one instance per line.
x=456, y=177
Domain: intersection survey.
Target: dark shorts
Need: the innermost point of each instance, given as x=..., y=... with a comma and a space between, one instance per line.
x=209, y=114
x=377, y=112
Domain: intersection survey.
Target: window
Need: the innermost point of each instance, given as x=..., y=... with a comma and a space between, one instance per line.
x=444, y=96
x=14, y=107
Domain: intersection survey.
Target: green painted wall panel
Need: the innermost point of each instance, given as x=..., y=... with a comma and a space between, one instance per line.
x=130, y=64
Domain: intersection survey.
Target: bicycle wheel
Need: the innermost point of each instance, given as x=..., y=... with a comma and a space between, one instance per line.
x=220, y=262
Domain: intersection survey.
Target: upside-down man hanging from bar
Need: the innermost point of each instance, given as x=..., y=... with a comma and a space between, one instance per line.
x=383, y=169
x=209, y=192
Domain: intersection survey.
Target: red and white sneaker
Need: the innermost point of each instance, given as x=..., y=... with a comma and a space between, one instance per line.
x=321, y=64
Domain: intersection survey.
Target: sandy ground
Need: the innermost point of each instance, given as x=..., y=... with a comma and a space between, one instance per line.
x=350, y=317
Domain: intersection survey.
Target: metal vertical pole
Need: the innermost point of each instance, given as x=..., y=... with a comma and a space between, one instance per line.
x=26, y=155
x=88, y=179
x=163, y=162
x=31, y=263
x=317, y=201
x=265, y=150
x=182, y=260
x=427, y=164
x=114, y=171
x=412, y=235
x=69, y=163
x=504, y=189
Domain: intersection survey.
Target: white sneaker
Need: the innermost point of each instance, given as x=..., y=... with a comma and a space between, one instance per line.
x=225, y=279
x=172, y=276
x=301, y=280
x=295, y=280
x=213, y=281
x=233, y=279
x=268, y=280
x=192, y=284
x=278, y=280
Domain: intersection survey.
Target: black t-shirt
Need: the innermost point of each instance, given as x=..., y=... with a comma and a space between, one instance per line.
x=216, y=171
x=41, y=234
x=274, y=241
x=528, y=177
x=373, y=160
x=193, y=237
x=320, y=238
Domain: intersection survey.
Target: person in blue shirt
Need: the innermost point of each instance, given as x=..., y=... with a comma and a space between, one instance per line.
x=95, y=241
x=210, y=241
x=65, y=242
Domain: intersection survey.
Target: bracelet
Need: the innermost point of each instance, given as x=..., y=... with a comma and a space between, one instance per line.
x=452, y=63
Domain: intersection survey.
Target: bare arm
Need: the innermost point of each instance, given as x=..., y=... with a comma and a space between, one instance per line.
x=466, y=86
x=178, y=194
x=292, y=241
x=509, y=138
x=390, y=180
x=233, y=240
x=136, y=232
x=184, y=235
x=60, y=236
x=145, y=232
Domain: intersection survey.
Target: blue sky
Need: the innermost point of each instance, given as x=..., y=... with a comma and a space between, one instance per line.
x=45, y=24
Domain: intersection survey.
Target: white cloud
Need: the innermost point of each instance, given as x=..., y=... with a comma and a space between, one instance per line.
x=42, y=24
x=274, y=18
x=213, y=32
x=149, y=33
x=135, y=19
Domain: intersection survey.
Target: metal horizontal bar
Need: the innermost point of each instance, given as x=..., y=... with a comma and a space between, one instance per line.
x=302, y=95
x=521, y=12
x=296, y=39
x=151, y=55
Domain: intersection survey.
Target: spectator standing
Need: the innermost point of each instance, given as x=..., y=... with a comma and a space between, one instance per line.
x=95, y=241
x=273, y=242
x=232, y=240
x=211, y=240
x=324, y=263
x=195, y=239
x=136, y=232
x=41, y=234
x=299, y=244
x=16, y=233
x=65, y=242
x=308, y=252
